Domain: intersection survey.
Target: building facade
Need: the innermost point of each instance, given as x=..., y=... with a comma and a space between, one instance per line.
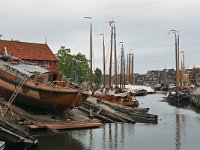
x=36, y=53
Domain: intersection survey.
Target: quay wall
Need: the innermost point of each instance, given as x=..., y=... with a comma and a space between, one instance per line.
x=195, y=98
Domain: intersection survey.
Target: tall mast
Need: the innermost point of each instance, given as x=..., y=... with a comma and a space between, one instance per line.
x=111, y=48
x=122, y=66
x=177, y=58
x=176, y=54
x=104, y=64
x=90, y=54
x=115, y=50
x=182, y=68
x=178, y=71
x=90, y=50
x=132, y=80
x=129, y=69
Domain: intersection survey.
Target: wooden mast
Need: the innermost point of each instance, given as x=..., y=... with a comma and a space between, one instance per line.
x=176, y=33
x=111, y=48
x=104, y=64
x=90, y=51
x=90, y=54
x=127, y=69
x=132, y=63
x=123, y=67
x=115, y=55
x=177, y=58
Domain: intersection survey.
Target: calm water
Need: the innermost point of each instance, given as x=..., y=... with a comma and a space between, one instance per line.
x=177, y=129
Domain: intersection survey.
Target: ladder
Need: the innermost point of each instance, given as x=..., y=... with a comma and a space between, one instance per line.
x=14, y=95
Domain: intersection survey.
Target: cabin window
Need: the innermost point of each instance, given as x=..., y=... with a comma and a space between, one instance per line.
x=45, y=64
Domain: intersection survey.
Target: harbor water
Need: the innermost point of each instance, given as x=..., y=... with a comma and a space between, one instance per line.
x=177, y=129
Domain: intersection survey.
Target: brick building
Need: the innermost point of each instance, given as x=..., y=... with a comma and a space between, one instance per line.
x=39, y=54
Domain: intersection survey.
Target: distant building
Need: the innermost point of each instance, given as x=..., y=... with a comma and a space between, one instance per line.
x=194, y=76
x=39, y=54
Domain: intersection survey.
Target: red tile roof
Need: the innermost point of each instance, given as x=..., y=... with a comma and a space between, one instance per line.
x=27, y=51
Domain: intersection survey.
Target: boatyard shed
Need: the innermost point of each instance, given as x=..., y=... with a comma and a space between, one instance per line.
x=37, y=53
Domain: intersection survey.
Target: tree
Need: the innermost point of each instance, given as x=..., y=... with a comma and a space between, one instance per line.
x=81, y=67
x=75, y=67
x=97, y=76
x=65, y=60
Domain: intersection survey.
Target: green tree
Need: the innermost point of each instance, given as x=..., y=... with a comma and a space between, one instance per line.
x=75, y=67
x=97, y=76
x=81, y=67
x=65, y=60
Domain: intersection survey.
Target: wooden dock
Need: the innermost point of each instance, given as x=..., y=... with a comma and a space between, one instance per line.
x=46, y=121
x=16, y=124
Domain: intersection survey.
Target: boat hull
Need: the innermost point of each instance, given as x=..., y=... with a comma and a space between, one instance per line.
x=175, y=99
x=41, y=96
x=120, y=100
x=178, y=99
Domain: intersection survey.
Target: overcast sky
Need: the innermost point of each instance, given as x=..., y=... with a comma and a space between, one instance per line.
x=142, y=25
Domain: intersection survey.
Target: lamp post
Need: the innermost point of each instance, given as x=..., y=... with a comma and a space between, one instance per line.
x=90, y=18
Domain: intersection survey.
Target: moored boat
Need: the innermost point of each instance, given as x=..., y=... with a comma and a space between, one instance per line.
x=124, y=98
x=33, y=85
x=140, y=92
x=178, y=96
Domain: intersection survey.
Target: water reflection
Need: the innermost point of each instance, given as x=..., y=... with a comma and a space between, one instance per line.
x=62, y=141
x=176, y=130
x=180, y=124
x=111, y=136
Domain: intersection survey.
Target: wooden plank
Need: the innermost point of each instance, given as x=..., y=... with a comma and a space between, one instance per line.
x=98, y=116
x=72, y=125
x=23, y=114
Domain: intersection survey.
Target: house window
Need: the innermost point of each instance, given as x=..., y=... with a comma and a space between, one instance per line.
x=34, y=63
x=45, y=64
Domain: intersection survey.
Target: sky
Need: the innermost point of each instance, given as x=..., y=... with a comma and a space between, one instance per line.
x=142, y=26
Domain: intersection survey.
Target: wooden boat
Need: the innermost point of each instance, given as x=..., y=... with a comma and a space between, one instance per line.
x=140, y=92
x=178, y=96
x=114, y=94
x=2, y=145
x=124, y=99
x=33, y=86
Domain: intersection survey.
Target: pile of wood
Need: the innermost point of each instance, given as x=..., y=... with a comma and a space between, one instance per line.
x=102, y=113
x=113, y=112
x=138, y=114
